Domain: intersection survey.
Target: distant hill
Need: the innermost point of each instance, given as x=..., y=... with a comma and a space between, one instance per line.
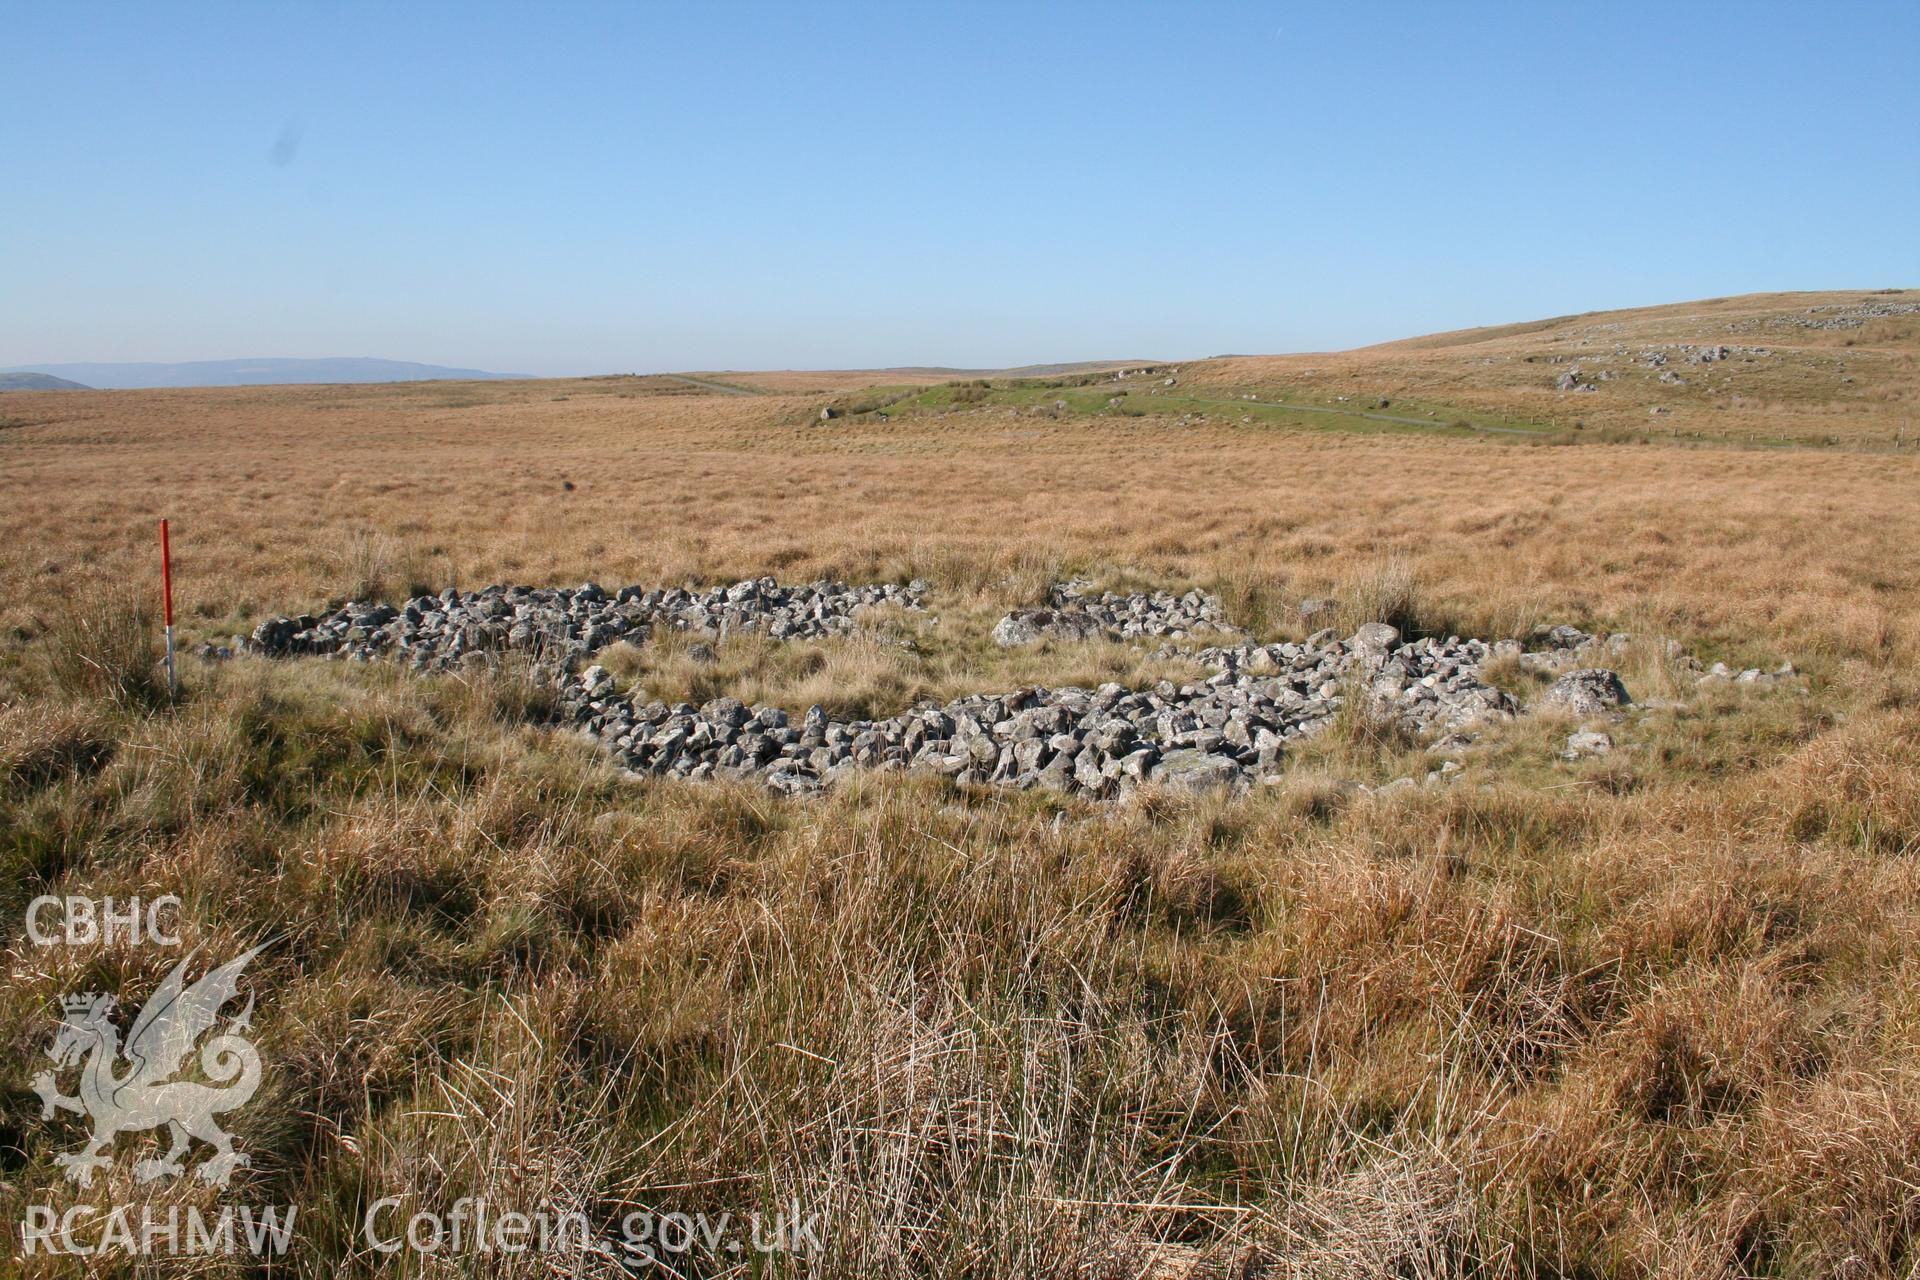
x=38, y=382
x=249, y=373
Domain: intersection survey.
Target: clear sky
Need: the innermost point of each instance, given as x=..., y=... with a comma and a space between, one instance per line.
x=584, y=188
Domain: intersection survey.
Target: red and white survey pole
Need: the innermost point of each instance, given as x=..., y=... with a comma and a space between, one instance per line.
x=166, y=595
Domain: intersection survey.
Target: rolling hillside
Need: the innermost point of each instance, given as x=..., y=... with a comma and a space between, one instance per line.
x=1837, y=366
x=38, y=382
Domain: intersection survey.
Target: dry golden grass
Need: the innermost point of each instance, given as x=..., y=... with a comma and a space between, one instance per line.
x=283, y=498
x=1654, y=1015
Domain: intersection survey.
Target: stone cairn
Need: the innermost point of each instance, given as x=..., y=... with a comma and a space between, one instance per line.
x=1228, y=730
x=561, y=627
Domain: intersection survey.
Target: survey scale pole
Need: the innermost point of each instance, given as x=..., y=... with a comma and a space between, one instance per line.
x=166, y=594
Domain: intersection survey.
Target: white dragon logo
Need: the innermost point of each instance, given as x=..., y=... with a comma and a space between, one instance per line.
x=146, y=1096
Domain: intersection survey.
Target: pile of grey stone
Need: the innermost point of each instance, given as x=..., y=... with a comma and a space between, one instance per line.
x=1099, y=742
x=561, y=627
x=1229, y=730
x=1428, y=683
x=1102, y=741
x=1075, y=612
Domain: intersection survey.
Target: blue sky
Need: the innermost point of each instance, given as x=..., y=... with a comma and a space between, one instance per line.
x=578, y=188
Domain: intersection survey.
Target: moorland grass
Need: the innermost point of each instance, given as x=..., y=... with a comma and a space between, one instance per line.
x=1650, y=1015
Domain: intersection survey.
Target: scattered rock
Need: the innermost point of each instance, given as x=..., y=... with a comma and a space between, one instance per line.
x=1582, y=745
x=1843, y=315
x=1031, y=626
x=1563, y=647
x=1752, y=677
x=1075, y=613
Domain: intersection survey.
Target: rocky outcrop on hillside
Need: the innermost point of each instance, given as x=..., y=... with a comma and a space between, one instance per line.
x=1843, y=316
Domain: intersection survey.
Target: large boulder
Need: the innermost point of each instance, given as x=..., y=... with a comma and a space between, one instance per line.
x=1375, y=638
x=1372, y=644
x=1018, y=628
x=1587, y=692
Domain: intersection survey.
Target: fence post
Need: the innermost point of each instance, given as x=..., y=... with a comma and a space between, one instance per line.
x=166, y=594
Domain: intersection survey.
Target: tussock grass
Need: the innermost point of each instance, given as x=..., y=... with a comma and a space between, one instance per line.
x=380, y=566
x=1385, y=593
x=1649, y=1015
x=101, y=641
x=1364, y=741
x=880, y=671
x=1341, y=1035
